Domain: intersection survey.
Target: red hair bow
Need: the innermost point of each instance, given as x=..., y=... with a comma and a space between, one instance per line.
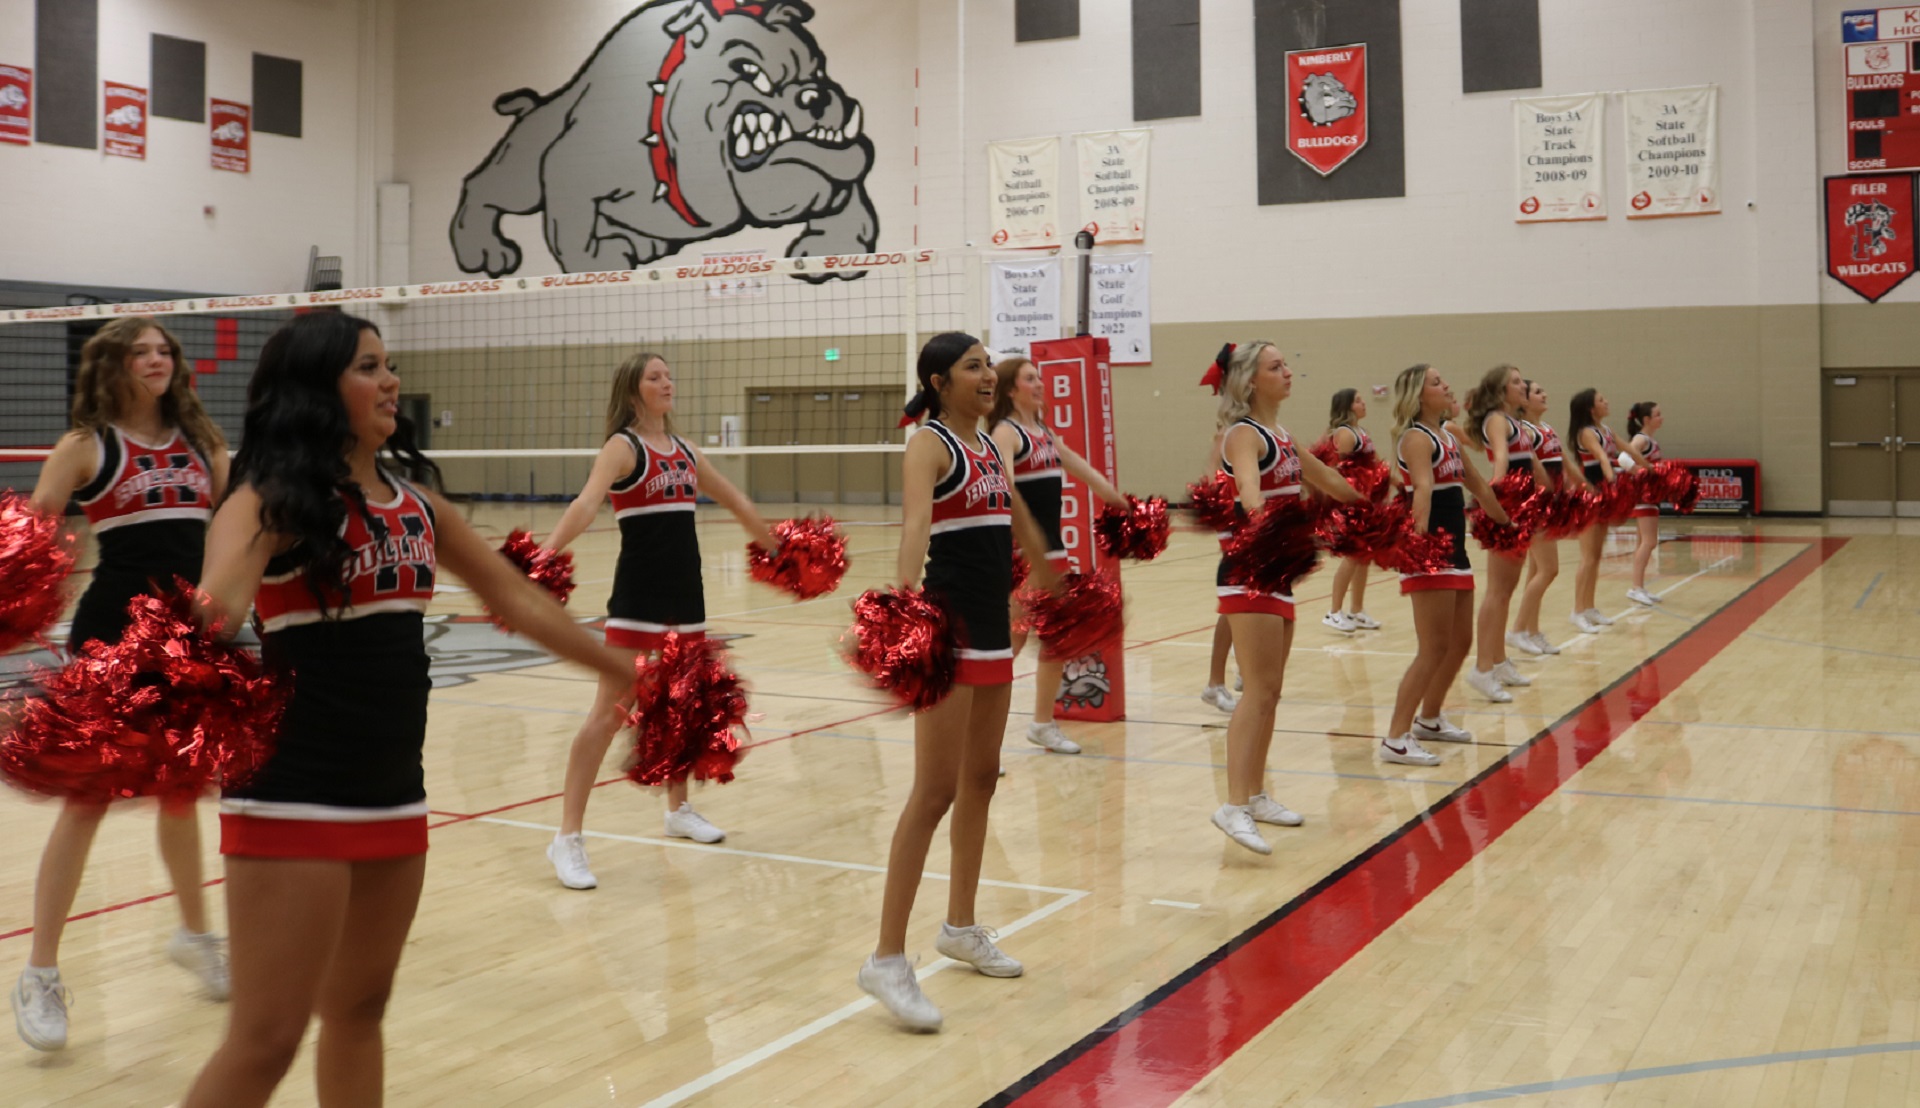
x=1217, y=372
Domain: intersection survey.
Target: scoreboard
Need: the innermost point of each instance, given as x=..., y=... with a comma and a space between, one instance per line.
x=1883, y=88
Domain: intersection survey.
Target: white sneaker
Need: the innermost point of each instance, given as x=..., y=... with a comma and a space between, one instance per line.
x=1511, y=676
x=1487, y=684
x=1407, y=751
x=568, y=853
x=1339, y=621
x=1266, y=809
x=40, y=1009
x=206, y=956
x=1217, y=696
x=1237, y=822
x=1363, y=621
x=891, y=982
x=685, y=823
x=1239, y=683
x=974, y=946
x=1541, y=643
x=1599, y=617
x=1586, y=625
x=1049, y=736
x=1642, y=596
x=1523, y=642
x=1440, y=730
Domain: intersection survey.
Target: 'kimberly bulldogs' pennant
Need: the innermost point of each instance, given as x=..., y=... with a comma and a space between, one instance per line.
x=1870, y=228
x=16, y=104
x=1328, y=89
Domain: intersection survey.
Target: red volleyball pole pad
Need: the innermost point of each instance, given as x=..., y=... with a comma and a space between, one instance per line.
x=1079, y=407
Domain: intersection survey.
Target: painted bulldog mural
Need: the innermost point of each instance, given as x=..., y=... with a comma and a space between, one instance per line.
x=691, y=120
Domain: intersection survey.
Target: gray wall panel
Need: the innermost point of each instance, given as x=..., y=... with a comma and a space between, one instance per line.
x=1380, y=168
x=1036, y=20
x=1166, y=58
x=1499, y=45
x=276, y=95
x=179, y=76
x=66, y=73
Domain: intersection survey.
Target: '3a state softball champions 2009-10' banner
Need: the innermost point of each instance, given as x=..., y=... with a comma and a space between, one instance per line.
x=1328, y=89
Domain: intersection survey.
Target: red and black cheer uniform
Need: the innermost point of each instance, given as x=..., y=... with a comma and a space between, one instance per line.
x=1279, y=476
x=148, y=506
x=1362, y=442
x=970, y=555
x=1652, y=455
x=344, y=781
x=656, y=583
x=1547, y=448
x=1041, y=483
x=1446, y=508
x=1523, y=441
x=1590, y=462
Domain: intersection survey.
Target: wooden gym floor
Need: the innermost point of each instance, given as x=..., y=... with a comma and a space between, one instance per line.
x=1678, y=870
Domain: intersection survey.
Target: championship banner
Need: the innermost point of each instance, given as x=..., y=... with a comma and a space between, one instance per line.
x=16, y=105
x=1024, y=302
x=125, y=122
x=1673, y=152
x=1113, y=184
x=1870, y=246
x=231, y=131
x=1327, y=87
x=1560, y=171
x=1024, y=193
x=1079, y=408
x=1120, y=306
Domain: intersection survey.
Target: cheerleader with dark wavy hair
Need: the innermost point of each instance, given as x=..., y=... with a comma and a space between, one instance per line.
x=1643, y=419
x=146, y=464
x=1350, y=577
x=325, y=848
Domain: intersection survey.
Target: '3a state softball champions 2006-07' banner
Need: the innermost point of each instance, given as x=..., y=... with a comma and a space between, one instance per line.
x=1328, y=89
x=1870, y=227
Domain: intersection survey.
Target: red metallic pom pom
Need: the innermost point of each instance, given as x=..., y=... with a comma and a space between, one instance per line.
x=1139, y=531
x=1276, y=550
x=903, y=641
x=1020, y=570
x=1616, y=499
x=687, y=708
x=1077, y=618
x=1421, y=552
x=1520, y=497
x=1216, y=502
x=1367, y=529
x=1565, y=512
x=167, y=711
x=810, y=561
x=1668, y=483
x=548, y=569
x=1362, y=469
x=34, y=567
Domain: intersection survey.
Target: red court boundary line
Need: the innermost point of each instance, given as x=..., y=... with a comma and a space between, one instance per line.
x=1156, y=1051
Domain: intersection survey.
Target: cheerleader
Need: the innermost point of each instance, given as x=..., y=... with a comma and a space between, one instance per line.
x=1040, y=467
x=1594, y=442
x=146, y=464
x=1494, y=424
x=326, y=847
x=1264, y=463
x=1434, y=474
x=1349, y=438
x=960, y=517
x=1543, y=557
x=654, y=479
x=1643, y=419
x=1215, y=695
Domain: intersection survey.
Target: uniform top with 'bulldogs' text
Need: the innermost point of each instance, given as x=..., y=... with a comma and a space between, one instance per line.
x=392, y=569
x=1523, y=438
x=972, y=529
x=1652, y=452
x=1449, y=468
x=1279, y=458
x=654, y=505
x=1547, y=447
x=1609, y=446
x=1362, y=442
x=149, y=504
x=1037, y=458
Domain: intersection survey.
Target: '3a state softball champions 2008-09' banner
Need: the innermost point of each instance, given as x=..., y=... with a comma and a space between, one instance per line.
x=1328, y=89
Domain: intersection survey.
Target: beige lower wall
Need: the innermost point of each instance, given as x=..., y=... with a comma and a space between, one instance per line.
x=1734, y=382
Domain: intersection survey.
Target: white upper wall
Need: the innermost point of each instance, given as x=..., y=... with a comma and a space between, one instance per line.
x=80, y=217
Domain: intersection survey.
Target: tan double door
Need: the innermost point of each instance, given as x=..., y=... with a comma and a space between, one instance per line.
x=831, y=417
x=1872, y=420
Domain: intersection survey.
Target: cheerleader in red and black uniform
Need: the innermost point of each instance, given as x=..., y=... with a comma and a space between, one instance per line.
x=146, y=465
x=1349, y=438
x=1643, y=419
x=1596, y=448
x=654, y=479
x=326, y=846
x=1041, y=465
x=1494, y=424
x=1264, y=463
x=960, y=517
x=1437, y=479
x=1543, y=557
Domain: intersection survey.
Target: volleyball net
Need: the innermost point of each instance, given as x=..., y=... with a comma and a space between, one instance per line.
x=790, y=372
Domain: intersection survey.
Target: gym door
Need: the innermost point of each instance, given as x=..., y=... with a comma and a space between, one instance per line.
x=1873, y=442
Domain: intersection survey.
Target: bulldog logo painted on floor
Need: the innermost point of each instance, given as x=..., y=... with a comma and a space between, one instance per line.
x=691, y=120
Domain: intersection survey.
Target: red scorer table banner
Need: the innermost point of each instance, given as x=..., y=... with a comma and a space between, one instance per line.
x=1328, y=89
x=1078, y=381
x=1870, y=229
